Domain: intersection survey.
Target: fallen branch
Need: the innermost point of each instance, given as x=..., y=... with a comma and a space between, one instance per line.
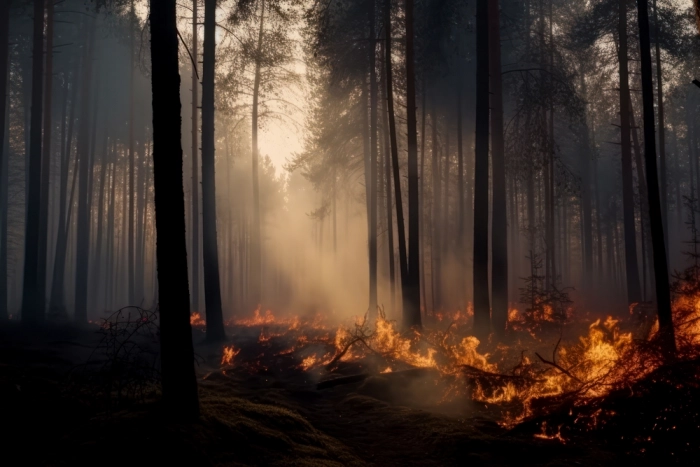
x=558, y=367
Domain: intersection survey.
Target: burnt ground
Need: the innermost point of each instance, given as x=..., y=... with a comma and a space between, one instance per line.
x=252, y=414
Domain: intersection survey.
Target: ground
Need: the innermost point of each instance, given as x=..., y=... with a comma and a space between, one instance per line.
x=274, y=416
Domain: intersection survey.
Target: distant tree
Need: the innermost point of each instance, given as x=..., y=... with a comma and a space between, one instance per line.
x=177, y=354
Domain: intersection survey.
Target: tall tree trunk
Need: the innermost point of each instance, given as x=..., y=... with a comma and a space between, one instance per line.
x=84, y=175
x=587, y=225
x=97, y=271
x=631, y=265
x=662, y=129
x=461, y=243
x=436, y=226
x=400, y=225
x=194, y=253
x=32, y=297
x=256, y=240
x=373, y=160
x=482, y=317
x=411, y=312
x=499, y=230
x=212, y=286
x=46, y=159
x=177, y=354
x=131, y=194
x=4, y=66
x=387, y=177
x=663, y=293
x=57, y=309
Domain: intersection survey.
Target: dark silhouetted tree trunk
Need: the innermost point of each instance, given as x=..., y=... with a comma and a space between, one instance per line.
x=663, y=293
x=194, y=253
x=130, y=247
x=662, y=129
x=411, y=306
x=84, y=174
x=387, y=183
x=482, y=317
x=46, y=159
x=32, y=298
x=499, y=230
x=4, y=65
x=256, y=239
x=212, y=286
x=372, y=161
x=177, y=354
x=57, y=309
x=436, y=226
x=400, y=226
x=631, y=265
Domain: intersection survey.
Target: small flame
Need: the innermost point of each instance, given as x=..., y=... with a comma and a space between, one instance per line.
x=196, y=319
x=228, y=355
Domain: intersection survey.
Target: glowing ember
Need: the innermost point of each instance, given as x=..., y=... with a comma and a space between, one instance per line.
x=196, y=319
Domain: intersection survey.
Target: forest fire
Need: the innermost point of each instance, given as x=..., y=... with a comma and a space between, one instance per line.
x=435, y=232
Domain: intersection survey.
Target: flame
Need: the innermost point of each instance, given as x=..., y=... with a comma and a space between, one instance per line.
x=228, y=355
x=308, y=362
x=196, y=319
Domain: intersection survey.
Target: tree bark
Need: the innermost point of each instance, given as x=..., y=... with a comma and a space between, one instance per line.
x=256, y=239
x=482, y=316
x=57, y=309
x=131, y=194
x=32, y=297
x=663, y=179
x=178, y=378
x=372, y=161
x=411, y=312
x=499, y=230
x=212, y=285
x=631, y=264
x=46, y=158
x=194, y=253
x=387, y=176
x=663, y=293
x=4, y=66
x=84, y=174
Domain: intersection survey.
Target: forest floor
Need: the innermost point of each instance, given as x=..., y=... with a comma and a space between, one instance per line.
x=274, y=415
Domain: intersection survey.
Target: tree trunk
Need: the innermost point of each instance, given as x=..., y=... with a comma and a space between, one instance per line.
x=4, y=155
x=662, y=130
x=482, y=317
x=194, y=253
x=32, y=297
x=84, y=174
x=46, y=159
x=212, y=286
x=387, y=179
x=178, y=378
x=256, y=246
x=372, y=161
x=400, y=226
x=411, y=312
x=436, y=225
x=131, y=192
x=57, y=309
x=587, y=218
x=499, y=230
x=631, y=265
x=663, y=293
